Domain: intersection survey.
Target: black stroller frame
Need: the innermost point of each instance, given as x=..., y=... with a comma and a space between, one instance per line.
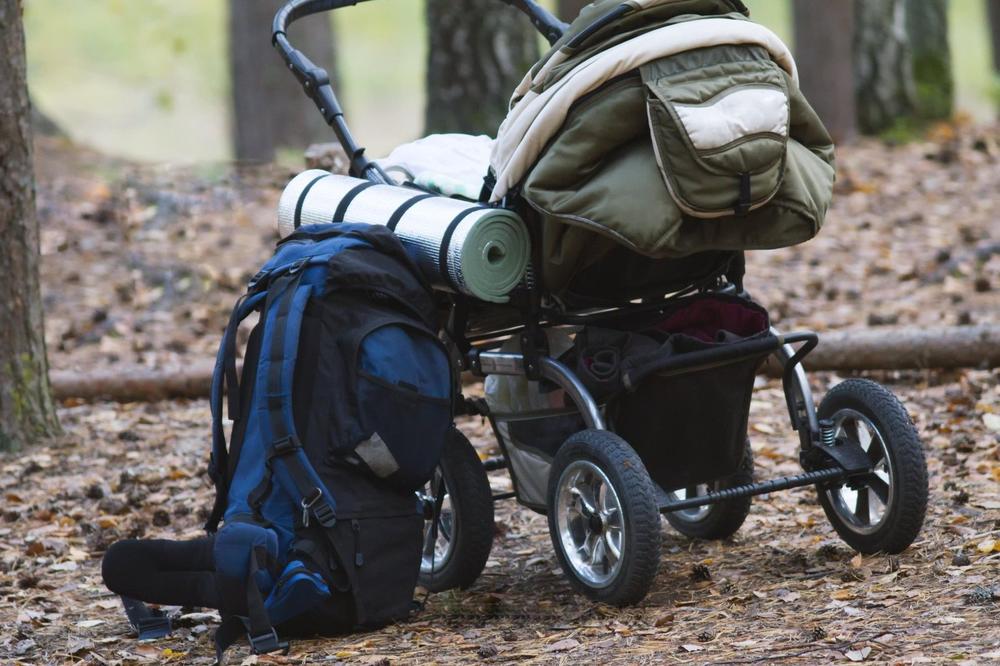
x=832, y=439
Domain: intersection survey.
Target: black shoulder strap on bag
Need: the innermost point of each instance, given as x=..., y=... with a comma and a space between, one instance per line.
x=256, y=626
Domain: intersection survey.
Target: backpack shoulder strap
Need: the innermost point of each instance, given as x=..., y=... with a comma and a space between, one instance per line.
x=224, y=379
x=287, y=461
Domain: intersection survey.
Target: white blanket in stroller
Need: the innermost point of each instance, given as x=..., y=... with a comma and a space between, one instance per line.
x=450, y=164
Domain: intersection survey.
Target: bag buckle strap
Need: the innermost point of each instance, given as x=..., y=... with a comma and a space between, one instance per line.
x=284, y=447
x=308, y=503
x=268, y=642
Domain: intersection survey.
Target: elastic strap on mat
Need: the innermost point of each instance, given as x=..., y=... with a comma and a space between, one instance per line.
x=302, y=199
x=345, y=203
x=446, y=242
x=401, y=211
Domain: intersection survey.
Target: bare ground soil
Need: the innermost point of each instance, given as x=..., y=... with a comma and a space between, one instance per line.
x=133, y=272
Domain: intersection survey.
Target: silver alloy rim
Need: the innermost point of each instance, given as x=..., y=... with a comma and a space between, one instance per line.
x=590, y=522
x=438, y=551
x=694, y=514
x=863, y=510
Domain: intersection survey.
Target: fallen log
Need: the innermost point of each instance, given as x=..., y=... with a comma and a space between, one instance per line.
x=133, y=383
x=907, y=348
x=867, y=349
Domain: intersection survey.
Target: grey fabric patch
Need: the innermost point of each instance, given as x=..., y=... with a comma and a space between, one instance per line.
x=377, y=456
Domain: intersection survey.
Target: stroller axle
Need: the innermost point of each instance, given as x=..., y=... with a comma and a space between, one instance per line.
x=666, y=505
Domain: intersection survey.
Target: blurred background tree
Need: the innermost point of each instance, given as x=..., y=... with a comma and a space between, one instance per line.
x=824, y=52
x=993, y=11
x=269, y=111
x=26, y=410
x=478, y=51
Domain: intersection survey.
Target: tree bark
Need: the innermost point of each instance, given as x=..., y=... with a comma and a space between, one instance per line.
x=269, y=109
x=26, y=410
x=824, y=52
x=993, y=10
x=570, y=9
x=883, y=68
x=479, y=51
x=927, y=27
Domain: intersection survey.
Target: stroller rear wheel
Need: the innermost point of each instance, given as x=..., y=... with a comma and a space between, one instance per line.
x=884, y=511
x=714, y=521
x=455, y=552
x=603, y=518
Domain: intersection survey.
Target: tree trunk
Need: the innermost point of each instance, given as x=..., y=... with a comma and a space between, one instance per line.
x=883, y=68
x=993, y=9
x=269, y=109
x=570, y=9
x=824, y=52
x=26, y=410
x=479, y=51
x=927, y=27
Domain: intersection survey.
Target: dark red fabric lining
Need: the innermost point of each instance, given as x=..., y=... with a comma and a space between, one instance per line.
x=704, y=319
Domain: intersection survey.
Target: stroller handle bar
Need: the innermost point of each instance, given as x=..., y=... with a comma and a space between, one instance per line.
x=315, y=80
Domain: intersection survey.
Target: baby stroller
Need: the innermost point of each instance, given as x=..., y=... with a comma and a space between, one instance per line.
x=652, y=145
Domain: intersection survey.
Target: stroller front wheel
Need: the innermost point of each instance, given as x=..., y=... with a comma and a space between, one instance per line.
x=884, y=511
x=603, y=519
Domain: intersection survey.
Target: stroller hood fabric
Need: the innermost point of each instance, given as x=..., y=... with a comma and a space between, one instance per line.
x=669, y=127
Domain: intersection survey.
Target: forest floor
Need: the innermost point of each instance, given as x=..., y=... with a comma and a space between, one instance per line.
x=141, y=265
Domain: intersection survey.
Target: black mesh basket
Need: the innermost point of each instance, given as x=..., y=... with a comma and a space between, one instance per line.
x=687, y=375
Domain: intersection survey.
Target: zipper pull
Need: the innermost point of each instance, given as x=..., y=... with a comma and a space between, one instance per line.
x=359, y=557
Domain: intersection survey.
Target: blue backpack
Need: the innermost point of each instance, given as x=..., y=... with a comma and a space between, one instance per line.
x=340, y=413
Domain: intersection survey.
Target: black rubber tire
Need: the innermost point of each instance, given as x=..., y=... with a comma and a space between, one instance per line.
x=472, y=520
x=724, y=519
x=909, y=468
x=635, y=490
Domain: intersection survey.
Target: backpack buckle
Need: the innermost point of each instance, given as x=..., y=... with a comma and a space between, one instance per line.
x=308, y=503
x=284, y=446
x=259, y=277
x=298, y=266
x=266, y=643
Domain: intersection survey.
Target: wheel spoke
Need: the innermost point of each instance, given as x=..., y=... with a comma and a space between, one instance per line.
x=587, y=507
x=861, y=508
x=880, y=487
x=614, y=550
x=598, y=556
x=876, y=454
x=864, y=436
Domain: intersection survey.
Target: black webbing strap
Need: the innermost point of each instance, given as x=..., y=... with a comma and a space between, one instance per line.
x=232, y=384
x=743, y=203
x=302, y=199
x=256, y=626
x=446, y=241
x=148, y=623
x=401, y=211
x=283, y=288
x=345, y=203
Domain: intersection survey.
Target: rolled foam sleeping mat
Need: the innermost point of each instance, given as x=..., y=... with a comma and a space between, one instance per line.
x=466, y=247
